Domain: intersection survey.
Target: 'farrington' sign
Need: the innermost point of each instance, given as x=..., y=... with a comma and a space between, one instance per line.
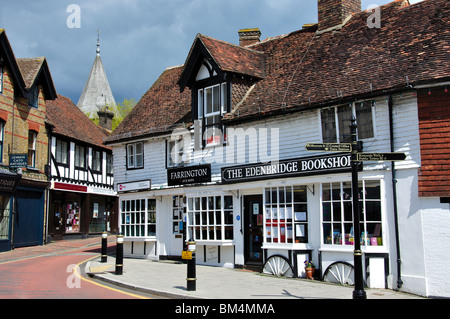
x=189, y=175
x=336, y=163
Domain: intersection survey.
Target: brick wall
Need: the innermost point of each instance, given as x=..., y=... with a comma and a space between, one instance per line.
x=434, y=130
x=19, y=118
x=334, y=12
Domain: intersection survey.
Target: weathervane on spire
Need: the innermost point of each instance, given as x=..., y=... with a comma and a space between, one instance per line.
x=98, y=41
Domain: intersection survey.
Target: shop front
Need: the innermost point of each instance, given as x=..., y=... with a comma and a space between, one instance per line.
x=8, y=184
x=267, y=217
x=78, y=211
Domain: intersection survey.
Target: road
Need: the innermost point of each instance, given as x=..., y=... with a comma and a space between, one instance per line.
x=53, y=272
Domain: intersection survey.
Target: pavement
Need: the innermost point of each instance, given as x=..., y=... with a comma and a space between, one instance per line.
x=168, y=278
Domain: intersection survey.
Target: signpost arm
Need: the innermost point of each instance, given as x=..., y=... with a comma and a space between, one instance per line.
x=358, y=292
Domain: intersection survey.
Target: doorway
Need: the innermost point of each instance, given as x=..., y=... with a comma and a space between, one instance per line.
x=253, y=229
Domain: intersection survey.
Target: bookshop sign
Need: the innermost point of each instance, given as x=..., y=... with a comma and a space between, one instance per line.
x=336, y=163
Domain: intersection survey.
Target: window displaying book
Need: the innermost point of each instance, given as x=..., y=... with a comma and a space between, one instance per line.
x=286, y=214
x=337, y=213
x=73, y=217
x=210, y=218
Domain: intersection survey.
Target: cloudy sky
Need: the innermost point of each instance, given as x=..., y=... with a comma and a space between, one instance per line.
x=139, y=39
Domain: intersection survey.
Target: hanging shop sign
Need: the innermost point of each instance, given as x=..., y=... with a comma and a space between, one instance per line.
x=189, y=175
x=9, y=182
x=336, y=163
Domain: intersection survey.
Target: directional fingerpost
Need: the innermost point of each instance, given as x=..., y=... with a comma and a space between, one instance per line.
x=329, y=147
x=381, y=157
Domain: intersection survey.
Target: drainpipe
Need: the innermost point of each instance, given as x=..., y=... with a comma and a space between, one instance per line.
x=394, y=194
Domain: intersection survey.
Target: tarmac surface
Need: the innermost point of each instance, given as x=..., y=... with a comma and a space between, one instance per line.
x=168, y=278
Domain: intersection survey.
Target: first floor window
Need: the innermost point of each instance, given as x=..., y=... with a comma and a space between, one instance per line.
x=96, y=161
x=1, y=80
x=138, y=217
x=286, y=214
x=135, y=155
x=31, y=148
x=210, y=218
x=337, y=213
x=336, y=122
x=34, y=97
x=109, y=164
x=62, y=152
x=80, y=156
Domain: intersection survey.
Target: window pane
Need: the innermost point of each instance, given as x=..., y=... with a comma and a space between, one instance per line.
x=216, y=99
x=364, y=119
x=328, y=125
x=345, y=119
x=209, y=101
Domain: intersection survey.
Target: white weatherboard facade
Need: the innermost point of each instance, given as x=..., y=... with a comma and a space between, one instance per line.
x=151, y=218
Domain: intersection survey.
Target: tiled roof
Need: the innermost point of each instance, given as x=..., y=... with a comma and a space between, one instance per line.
x=69, y=121
x=162, y=108
x=305, y=69
x=30, y=67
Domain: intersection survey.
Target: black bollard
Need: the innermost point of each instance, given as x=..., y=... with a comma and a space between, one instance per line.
x=104, y=247
x=119, y=255
x=191, y=276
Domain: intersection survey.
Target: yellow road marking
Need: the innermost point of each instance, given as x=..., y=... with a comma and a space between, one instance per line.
x=76, y=273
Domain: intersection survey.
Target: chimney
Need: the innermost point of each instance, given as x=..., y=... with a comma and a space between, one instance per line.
x=334, y=12
x=105, y=119
x=249, y=36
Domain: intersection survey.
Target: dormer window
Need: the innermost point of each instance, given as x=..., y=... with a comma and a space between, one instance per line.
x=212, y=105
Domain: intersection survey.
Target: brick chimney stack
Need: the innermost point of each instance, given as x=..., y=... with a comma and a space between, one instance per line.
x=105, y=119
x=334, y=12
x=249, y=36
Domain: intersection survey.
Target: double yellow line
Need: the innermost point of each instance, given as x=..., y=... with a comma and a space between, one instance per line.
x=78, y=275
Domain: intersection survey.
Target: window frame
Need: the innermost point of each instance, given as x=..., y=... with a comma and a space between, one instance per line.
x=219, y=107
x=97, y=160
x=33, y=100
x=337, y=134
x=131, y=154
x=210, y=219
x=32, y=136
x=1, y=79
x=59, y=143
x=138, y=217
x=282, y=226
x=78, y=157
x=341, y=221
x=109, y=164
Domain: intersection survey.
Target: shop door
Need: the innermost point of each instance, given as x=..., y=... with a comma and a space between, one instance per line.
x=28, y=219
x=178, y=225
x=253, y=229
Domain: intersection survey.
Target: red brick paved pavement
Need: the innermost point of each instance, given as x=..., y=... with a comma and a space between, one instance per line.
x=52, y=248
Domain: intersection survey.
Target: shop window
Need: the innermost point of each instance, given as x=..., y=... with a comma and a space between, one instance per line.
x=135, y=155
x=286, y=214
x=62, y=151
x=73, y=217
x=80, y=157
x=4, y=217
x=336, y=122
x=32, y=136
x=138, y=218
x=210, y=218
x=337, y=213
x=179, y=207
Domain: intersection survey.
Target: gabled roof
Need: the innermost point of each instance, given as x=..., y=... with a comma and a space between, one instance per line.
x=36, y=70
x=161, y=109
x=226, y=56
x=67, y=120
x=9, y=59
x=306, y=69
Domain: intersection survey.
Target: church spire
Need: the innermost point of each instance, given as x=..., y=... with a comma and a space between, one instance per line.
x=98, y=42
